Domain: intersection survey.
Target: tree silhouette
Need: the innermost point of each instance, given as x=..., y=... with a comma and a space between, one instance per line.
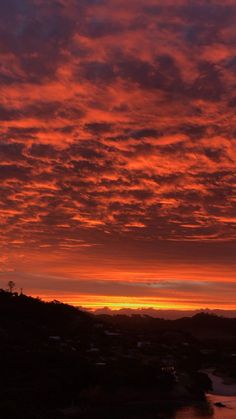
x=11, y=286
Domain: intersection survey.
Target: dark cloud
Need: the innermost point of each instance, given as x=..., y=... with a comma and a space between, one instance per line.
x=13, y=8
x=163, y=74
x=208, y=13
x=97, y=71
x=96, y=28
x=208, y=84
x=11, y=152
x=9, y=114
x=43, y=150
x=99, y=127
x=14, y=172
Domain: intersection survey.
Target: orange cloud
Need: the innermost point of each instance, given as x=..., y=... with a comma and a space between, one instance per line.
x=117, y=143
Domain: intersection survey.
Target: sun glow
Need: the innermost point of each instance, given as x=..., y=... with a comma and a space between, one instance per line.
x=116, y=303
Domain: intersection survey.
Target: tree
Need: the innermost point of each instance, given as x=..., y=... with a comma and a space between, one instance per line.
x=11, y=286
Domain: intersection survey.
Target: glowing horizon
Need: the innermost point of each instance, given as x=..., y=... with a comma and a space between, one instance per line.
x=104, y=302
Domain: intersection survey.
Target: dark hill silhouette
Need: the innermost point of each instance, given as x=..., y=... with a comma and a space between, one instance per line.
x=201, y=322
x=168, y=314
x=21, y=313
x=34, y=316
x=57, y=360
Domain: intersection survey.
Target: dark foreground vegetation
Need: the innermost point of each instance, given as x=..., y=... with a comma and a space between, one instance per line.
x=59, y=362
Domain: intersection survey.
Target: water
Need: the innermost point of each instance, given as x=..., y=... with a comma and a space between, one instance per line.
x=226, y=394
x=209, y=410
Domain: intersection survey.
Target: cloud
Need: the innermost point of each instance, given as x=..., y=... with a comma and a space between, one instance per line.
x=117, y=127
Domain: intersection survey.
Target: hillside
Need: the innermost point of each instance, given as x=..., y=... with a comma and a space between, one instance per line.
x=60, y=362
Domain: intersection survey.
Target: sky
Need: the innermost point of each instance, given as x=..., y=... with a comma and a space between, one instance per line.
x=117, y=151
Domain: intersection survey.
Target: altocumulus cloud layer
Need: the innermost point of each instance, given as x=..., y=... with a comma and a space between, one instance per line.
x=117, y=141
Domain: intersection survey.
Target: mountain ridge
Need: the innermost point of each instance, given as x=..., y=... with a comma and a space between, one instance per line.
x=168, y=314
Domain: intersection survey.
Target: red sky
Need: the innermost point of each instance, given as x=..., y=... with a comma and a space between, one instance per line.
x=117, y=151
